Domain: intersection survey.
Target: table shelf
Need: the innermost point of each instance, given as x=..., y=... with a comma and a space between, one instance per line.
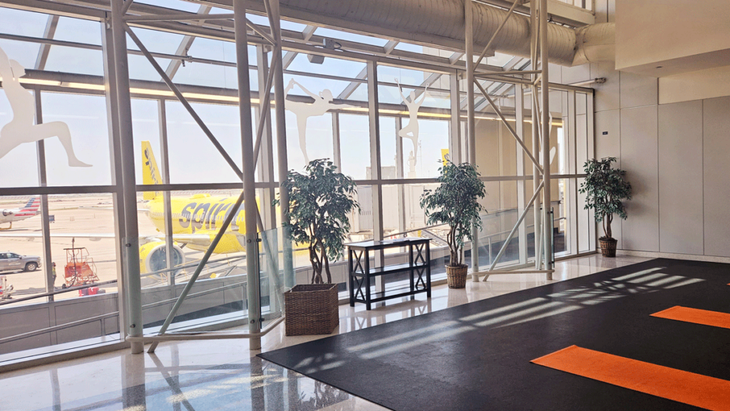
x=360, y=271
x=390, y=269
x=392, y=293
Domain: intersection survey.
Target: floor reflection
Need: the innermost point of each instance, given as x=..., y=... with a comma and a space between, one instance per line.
x=225, y=375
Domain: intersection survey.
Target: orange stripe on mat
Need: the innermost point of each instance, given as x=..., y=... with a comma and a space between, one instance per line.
x=677, y=385
x=694, y=315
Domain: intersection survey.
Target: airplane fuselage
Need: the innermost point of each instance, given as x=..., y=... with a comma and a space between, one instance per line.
x=202, y=215
x=18, y=214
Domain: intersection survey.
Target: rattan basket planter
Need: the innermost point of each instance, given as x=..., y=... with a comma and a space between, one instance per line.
x=608, y=246
x=311, y=309
x=456, y=276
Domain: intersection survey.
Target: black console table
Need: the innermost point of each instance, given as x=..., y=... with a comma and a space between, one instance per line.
x=419, y=267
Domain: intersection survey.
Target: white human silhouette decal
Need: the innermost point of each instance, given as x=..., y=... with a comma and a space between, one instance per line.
x=21, y=129
x=410, y=130
x=322, y=104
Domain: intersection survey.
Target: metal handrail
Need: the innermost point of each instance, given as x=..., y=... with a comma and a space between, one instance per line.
x=507, y=232
x=102, y=317
x=81, y=287
x=197, y=294
x=65, y=290
x=42, y=331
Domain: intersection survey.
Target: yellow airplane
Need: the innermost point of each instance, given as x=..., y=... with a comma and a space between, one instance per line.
x=195, y=221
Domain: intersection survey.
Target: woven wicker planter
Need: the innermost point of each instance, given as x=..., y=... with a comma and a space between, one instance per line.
x=311, y=309
x=456, y=276
x=608, y=246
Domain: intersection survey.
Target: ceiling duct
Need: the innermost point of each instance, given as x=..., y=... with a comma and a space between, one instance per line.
x=434, y=22
x=595, y=43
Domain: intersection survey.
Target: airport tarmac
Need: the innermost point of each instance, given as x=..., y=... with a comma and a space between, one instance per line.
x=84, y=215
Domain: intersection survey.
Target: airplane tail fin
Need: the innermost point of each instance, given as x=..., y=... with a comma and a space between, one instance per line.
x=150, y=171
x=32, y=206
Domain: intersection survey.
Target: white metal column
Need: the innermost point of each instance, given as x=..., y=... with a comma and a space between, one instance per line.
x=130, y=239
x=470, y=121
x=545, y=122
x=375, y=174
x=249, y=170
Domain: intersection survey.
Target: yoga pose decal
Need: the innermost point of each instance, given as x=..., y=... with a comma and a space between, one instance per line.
x=410, y=130
x=322, y=104
x=21, y=129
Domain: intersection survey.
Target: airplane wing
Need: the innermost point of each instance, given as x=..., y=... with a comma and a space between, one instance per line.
x=196, y=240
x=201, y=240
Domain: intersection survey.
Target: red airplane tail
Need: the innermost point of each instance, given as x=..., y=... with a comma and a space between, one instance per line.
x=31, y=208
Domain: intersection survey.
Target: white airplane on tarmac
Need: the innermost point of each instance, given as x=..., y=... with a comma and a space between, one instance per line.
x=31, y=208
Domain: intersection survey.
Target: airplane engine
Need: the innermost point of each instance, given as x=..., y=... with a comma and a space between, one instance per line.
x=153, y=257
x=7, y=213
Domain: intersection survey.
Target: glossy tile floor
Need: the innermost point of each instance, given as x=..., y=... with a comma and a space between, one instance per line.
x=226, y=375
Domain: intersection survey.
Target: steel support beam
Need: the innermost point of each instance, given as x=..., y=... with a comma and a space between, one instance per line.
x=266, y=157
x=178, y=17
x=375, y=163
x=399, y=173
x=131, y=234
x=281, y=147
x=184, y=101
x=470, y=120
x=291, y=55
x=114, y=132
x=125, y=7
x=520, y=162
x=264, y=151
x=543, y=129
x=545, y=123
x=496, y=32
x=184, y=47
x=535, y=130
x=512, y=233
x=166, y=197
x=43, y=182
x=198, y=270
x=49, y=33
x=350, y=88
x=506, y=124
x=336, y=147
x=455, y=123
x=249, y=169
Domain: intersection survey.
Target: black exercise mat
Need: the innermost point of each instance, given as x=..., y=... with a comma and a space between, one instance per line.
x=477, y=356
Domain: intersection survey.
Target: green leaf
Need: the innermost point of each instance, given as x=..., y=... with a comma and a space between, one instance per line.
x=605, y=188
x=455, y=203
x=320, y=203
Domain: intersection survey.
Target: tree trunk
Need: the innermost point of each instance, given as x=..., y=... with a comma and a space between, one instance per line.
x=326, y=261
x=609, y=233
x=316, y=264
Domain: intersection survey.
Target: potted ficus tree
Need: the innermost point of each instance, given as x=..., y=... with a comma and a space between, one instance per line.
x=604, y=188
x=319, y=204
x=455, y=203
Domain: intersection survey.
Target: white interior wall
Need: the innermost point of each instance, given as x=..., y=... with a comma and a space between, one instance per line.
x=675, y=156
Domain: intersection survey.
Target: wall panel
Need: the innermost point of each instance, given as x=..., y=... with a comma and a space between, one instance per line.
x=639, y=159
x=680, y=178
x=716, y=119
x=638, y=90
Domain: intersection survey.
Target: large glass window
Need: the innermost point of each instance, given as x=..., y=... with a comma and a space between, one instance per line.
x=327, y=115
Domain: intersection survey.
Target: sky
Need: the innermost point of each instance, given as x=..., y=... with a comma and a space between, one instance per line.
x=193, y=159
